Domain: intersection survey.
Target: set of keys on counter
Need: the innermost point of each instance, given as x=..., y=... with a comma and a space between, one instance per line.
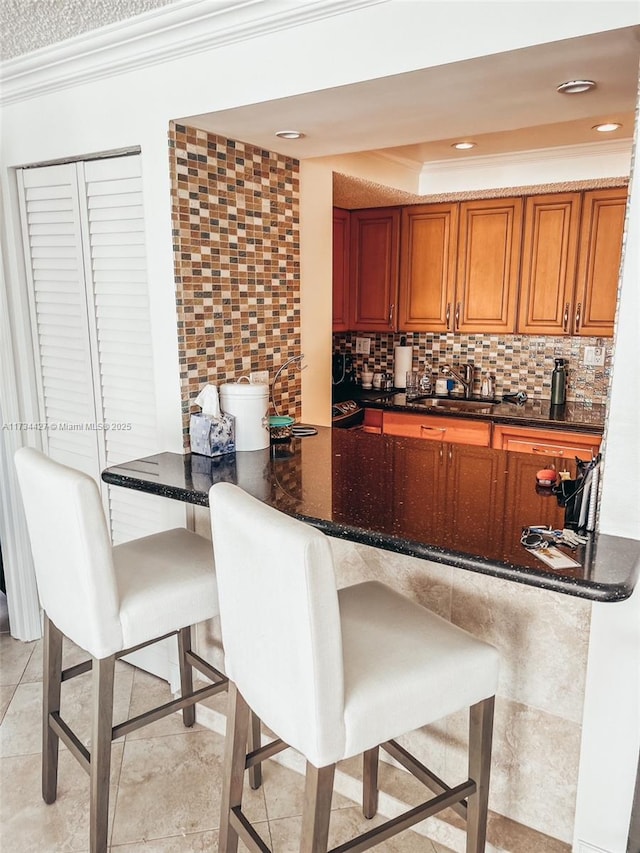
x=541, y=539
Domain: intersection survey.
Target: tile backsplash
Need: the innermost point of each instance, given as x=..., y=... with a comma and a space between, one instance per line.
x=517, y=362
x=235, y=220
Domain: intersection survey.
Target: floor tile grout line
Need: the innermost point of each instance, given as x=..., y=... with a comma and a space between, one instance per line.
x=116, y=784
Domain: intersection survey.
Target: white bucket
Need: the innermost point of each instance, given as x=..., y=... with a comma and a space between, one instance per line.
x=249, y=404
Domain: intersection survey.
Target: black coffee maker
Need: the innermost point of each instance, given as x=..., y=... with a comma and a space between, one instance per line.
x=343, y=382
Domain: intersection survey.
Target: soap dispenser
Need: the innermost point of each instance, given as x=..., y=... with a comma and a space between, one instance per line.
x=559, y=383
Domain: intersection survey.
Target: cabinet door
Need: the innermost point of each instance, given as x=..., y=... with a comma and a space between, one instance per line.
x=599, y=261
x=549, y=256
x=534, y=506
x=472, y=473
x=361, y=482
x=375, y=249
x=422, y=461
x=436, y=428
x=546, y=442
x=488, y=265
x=428, y=256
x=340, y=270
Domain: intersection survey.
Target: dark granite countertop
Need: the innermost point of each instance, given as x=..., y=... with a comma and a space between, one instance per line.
x=573, y=416
x=454, y=504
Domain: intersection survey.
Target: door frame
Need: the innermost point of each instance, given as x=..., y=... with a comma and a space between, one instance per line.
x=18, y=406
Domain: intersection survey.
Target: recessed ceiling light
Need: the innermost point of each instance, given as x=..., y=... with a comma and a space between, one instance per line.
x=289, y=134
x=463, y=146
x=574, y=87
x=607, y=127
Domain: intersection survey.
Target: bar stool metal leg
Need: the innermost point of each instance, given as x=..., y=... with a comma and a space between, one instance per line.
x=100, y=764
x=234, y=765
x=480, y=738
x=317, y=808
x=255, y=772
x=370, y=782
x=186, y=675
x=52, y=679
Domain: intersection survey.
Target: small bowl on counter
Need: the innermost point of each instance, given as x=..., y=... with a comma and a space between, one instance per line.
x=280, y=427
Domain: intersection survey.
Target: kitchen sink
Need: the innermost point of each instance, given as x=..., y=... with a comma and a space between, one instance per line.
x=480, y=407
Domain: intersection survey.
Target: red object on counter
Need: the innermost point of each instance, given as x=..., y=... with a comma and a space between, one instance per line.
x=547, y=477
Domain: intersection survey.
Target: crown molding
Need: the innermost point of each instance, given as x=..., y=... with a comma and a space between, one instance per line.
x=169, y=32
x=413, y=166
x=538, y=156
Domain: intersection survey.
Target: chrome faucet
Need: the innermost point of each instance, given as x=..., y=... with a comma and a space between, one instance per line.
x=464, y=375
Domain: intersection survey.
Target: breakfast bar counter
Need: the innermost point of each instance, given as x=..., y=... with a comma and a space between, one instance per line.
x=462, y=506
x=442, y=524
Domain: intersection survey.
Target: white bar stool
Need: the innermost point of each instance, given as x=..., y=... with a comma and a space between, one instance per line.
x=336, y=673
x=109, y=601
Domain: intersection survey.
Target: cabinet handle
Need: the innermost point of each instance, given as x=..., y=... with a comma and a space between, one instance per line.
x=565, y=319
x=391, y=307
x=578, y=316
x=458, y=317
x=433, y=429
x=557, y=451
x=448, y=315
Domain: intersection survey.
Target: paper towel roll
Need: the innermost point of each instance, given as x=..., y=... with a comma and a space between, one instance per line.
x=402, y=361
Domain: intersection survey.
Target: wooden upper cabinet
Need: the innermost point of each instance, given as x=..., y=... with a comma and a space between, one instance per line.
x=549, y=256
x=341, y=222
x=428, y=255
x=488, y=265
x=375, y=249
x=599, y=256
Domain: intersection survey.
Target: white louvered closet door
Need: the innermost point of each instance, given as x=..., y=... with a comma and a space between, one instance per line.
x=55, y=265
x=83, y=226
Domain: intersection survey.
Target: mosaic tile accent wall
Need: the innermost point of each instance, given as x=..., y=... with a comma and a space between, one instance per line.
x=517, y=362
x=235, y=212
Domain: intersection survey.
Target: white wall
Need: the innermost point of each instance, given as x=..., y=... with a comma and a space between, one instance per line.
x=316, y=198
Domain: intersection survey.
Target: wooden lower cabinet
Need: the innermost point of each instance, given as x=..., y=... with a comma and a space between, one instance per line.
x=361, y=482
x=437, y=428
x=537, y=506
x=469, y=519
x=425, y=462
x=546, y=442
x=372, y=421
x=449, y=514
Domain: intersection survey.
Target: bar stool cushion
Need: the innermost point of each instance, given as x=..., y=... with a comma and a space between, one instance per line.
x=409, y=664
x=164, y=581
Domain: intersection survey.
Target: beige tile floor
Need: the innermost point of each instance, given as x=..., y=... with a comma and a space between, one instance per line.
x=165, y=779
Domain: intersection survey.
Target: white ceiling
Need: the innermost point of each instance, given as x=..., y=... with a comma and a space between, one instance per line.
x=504, y=102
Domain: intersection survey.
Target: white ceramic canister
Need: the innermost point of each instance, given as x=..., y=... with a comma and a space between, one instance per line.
x=249, y=403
